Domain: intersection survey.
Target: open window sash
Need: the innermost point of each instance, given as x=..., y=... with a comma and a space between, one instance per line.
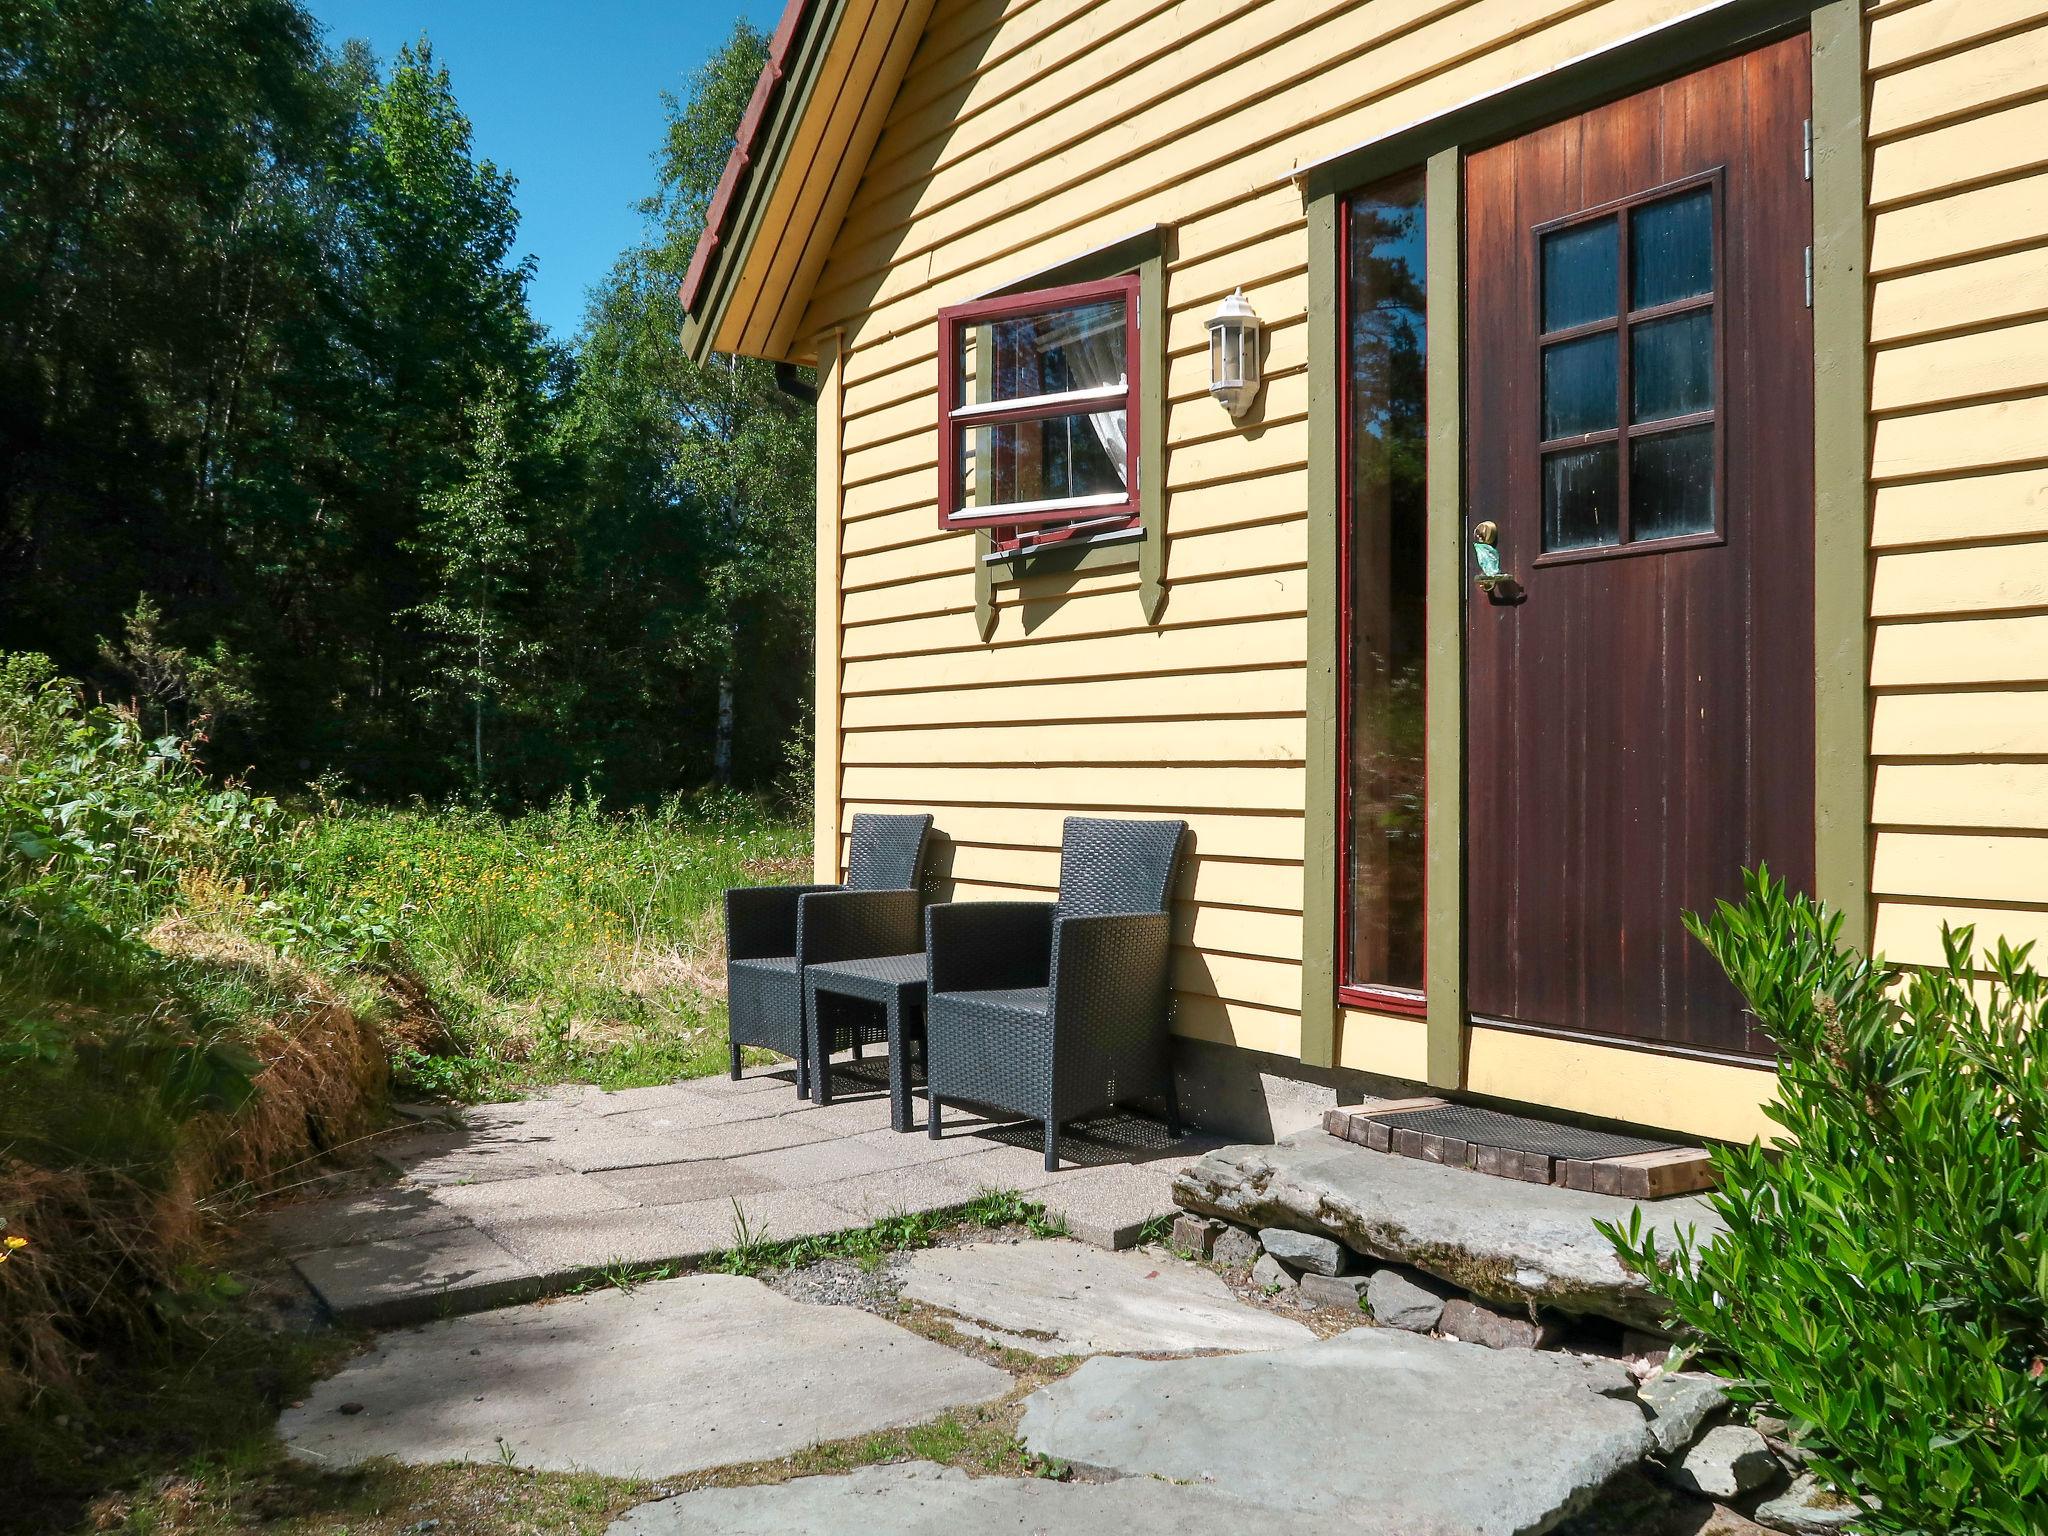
x=1038, y=408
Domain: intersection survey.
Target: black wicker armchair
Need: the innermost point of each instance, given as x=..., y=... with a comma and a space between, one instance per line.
x=773, y=932
x=1057, y=1010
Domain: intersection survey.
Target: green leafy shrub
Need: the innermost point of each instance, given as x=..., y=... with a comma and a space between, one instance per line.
x=1883, y=1281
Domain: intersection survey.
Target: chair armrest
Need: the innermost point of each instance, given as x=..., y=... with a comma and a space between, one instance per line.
x=856, y=925
x=760, y=920
x=1110, y=967
x=976, y=946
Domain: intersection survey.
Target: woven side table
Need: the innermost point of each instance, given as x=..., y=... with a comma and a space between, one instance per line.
x=840, y=993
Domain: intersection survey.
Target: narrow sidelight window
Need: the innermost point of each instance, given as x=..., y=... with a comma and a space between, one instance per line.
x=1383, y=541
x=1038, y=412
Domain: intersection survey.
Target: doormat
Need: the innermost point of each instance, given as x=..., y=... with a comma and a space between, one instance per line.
x=1547, y=1138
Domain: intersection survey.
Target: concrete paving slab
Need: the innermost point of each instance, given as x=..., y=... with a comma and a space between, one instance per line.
x=813, y=1162
x=919, y=1499
x=784, y=1215
x=550, y=1195
x=1399, y=1434
x=681, y=1183
x=600, y=1144
x=913, y=1148
x=428, y=1274
x=566, y=1249
x=903, y=1191
x=1067, y=1298
x=432, y=1158
x=1111, y=1206
x=686, y=1111
x=735, y=1138
x=381, y=1215
x=754, y=1080
x=677, y=1100
x=676, y=1377
x=1510, y=1243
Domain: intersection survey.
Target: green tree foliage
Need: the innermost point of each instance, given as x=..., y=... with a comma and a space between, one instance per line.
x=273, y=413
x=1884, y=1277
x=701, y=476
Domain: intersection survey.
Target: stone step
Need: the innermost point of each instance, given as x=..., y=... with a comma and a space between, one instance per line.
x=1513, y=1245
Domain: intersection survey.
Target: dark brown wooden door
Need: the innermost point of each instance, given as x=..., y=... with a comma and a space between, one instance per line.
x=1639, y=382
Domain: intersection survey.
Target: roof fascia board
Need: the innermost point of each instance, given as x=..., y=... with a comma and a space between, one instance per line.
x=765, y=166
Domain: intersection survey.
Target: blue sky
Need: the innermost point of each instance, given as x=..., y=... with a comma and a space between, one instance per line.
x=565, y=96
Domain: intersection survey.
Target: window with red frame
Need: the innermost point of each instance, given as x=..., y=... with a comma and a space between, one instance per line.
x=1038, y=412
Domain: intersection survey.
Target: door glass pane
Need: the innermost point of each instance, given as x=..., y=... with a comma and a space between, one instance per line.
x=1081, y=347
x=1580, y=499
x=1580, y=281
x=1579, y=389
x=1671, y=366
x=1384, y=356
x=1051, y=460
x=1671, y=484
x=1671, y=249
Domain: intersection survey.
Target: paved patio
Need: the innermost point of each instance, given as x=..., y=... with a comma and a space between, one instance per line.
x=526, y=1199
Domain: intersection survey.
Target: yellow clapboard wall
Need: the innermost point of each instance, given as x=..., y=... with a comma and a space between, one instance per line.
x=1028, y=131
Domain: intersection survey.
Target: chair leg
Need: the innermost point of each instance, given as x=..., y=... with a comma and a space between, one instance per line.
x=931, y=1114
x=1172, y=1107
x=735, y=1048
x=1052, y=1146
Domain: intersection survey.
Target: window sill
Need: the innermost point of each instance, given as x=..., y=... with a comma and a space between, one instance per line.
x=1101, y=551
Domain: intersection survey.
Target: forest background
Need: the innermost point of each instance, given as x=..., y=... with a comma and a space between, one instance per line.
x=287, y=466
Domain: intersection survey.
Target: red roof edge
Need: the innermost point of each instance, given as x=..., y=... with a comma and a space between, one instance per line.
x=766, y=91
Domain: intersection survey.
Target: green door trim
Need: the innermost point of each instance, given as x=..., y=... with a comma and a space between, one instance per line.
x=1841, y=481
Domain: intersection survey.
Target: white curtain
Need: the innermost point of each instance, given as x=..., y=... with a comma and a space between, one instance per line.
x=1091, y=363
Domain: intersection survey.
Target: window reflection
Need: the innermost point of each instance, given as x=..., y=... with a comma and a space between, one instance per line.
x=1385, y=354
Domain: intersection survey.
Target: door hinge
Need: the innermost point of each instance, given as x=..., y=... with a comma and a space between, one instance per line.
x=1806, y=139
x=1809, y=277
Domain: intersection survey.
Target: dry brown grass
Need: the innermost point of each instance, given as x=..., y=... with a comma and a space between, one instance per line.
x=104, y=1241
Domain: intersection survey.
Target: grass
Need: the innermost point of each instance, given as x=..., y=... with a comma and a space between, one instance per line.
x=201, y=990
x=753, y=1253
x=565, y=945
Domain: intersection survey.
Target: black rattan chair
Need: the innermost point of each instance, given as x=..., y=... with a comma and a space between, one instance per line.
x=773, y=932
x=1056, y=1010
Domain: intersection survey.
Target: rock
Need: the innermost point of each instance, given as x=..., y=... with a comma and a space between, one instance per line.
x=1060, y=1298
x=1679, y=1405
x=1396, y=1433
x=1195, y=1235
x=1398, y=1302
x=1269, y=1274
x=1475, y=1324
x=1726, y=1463
x=1505, y=1242
x=1806, y=1509
x=678, y=1376
x=1235, y=1248
x=1303, y=1252
x=1341, y=1291
x=920, y=1499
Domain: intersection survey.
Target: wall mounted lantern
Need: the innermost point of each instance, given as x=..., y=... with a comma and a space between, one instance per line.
x=1234, y=354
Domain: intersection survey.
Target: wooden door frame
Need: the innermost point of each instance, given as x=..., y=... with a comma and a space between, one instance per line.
x=1715, y=31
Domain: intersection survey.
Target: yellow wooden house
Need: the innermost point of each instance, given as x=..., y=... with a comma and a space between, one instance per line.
x=1496, y=468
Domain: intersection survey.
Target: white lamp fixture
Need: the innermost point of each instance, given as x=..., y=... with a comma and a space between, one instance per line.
x=1234, y=354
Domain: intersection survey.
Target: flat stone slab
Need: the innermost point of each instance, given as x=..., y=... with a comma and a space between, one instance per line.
x=1067, y=1298
x=919, y=1499
x=675, y=1377
x=1507, y=1242
x=1397, y=1434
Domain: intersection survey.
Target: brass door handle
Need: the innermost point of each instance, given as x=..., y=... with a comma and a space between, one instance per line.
x=1496, y=583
